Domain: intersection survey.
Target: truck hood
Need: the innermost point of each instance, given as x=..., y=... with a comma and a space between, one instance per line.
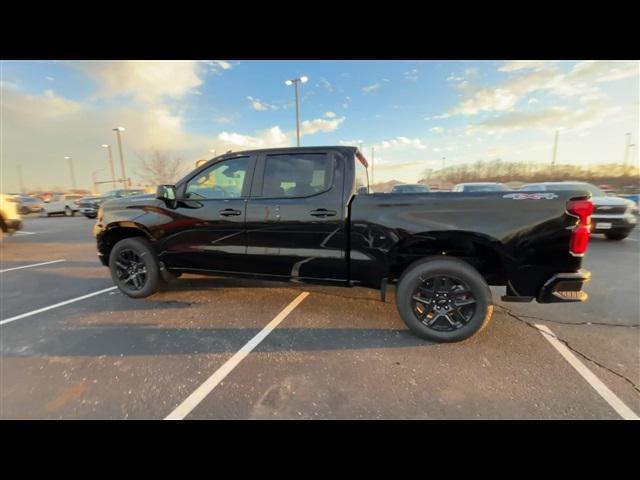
x=612, y=201
x=126, y=201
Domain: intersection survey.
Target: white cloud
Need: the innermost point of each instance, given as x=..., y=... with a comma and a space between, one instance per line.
x=518, y=65
x=330, y=115
x=259, y=105
x=401, y=143
x=592, y=112
x=217, y=65
x=604, y=70
x=437, y=129
x=6, y=85
x=486, y=100
x=326, y=84
x=309, y=127
x=38, y=130
x=271, y=137
x=411, y=75
x=532, y=101
x=539, y=76
x=371, y=88
x=147, y=81
x=51, y=79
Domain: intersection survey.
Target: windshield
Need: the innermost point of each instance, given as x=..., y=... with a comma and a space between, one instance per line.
x=595, y=191
x=485, y=188
x=410, y=189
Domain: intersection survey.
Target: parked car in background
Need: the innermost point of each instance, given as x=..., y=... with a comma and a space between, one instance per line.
x=89, y=205
x=481, y=187
x=614, y=217
x=29, y=204
x=10, y=220
x=410, y=188
x=65, y=204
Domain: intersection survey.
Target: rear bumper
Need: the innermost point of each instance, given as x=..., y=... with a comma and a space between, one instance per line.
x=565, y=287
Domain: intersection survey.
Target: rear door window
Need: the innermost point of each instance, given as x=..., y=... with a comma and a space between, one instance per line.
x=296, y=175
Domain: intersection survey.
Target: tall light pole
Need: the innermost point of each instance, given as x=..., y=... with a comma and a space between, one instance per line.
x=555, y=149
x=373, y=151
x=627, y=147
x=113, y=173
x=296, y=82
x=73, y=175
x=95, y=182
x=124, y=175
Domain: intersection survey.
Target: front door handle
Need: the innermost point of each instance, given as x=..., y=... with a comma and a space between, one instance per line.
x=230, y=212
x=323, y=212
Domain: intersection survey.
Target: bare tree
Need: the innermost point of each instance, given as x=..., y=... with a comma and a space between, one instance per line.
x=159, y=167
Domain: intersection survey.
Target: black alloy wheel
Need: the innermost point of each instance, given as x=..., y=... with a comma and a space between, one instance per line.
x=443, y=303
x=130, y=269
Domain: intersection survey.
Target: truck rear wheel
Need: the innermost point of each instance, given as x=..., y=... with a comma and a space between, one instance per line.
x=134, y=267
x=443, y=299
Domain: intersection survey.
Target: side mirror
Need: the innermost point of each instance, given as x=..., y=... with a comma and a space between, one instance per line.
x=167, y=193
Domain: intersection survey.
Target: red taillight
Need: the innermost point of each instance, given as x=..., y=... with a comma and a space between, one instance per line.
x=580, y=235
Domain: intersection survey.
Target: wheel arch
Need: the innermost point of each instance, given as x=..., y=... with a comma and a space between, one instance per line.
x=484, y=253
x=119, y=231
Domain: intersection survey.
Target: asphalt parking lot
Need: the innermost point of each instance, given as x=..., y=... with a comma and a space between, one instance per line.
x=339, y=354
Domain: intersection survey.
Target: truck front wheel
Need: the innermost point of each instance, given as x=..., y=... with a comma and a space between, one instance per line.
x=134, y=268
x=443, y=299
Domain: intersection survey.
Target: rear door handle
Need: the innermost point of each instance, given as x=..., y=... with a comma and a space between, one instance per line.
x=323, y=212
x=230, y=212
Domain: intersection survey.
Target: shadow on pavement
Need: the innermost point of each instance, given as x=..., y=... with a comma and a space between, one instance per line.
x=146, y=339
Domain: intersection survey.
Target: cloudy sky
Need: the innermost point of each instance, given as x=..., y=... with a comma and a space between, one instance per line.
x=413, y=112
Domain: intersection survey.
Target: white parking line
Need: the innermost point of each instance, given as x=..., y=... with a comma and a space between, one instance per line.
x=609, y=397
x=51, y=307
x=199, y=394
x=33, y=265
x=22, y=232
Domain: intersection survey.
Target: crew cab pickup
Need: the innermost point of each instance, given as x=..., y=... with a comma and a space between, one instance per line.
x=304, y=214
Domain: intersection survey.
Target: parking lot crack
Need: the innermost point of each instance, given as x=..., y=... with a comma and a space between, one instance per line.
x=521, y=318
x=569, y=323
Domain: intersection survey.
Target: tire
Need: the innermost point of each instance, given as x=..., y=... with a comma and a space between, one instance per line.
x=617, y=236
x=68, y=212
x=137, y=253
x=468, y=296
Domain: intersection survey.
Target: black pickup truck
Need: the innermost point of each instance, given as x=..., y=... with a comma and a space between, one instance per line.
x=305, y=214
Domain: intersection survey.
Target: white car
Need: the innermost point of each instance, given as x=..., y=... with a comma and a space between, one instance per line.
x=66, y=204
x=10, y=220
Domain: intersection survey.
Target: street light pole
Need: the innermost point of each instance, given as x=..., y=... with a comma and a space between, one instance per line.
x=627, y=147
x=113, y=173
x=373, y=150
x=124, y=175
x=555, y=149
x=296, y=82
x=73, y=175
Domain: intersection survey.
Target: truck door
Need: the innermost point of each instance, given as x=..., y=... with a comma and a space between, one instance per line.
x=296, y=216
x=206, y=231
